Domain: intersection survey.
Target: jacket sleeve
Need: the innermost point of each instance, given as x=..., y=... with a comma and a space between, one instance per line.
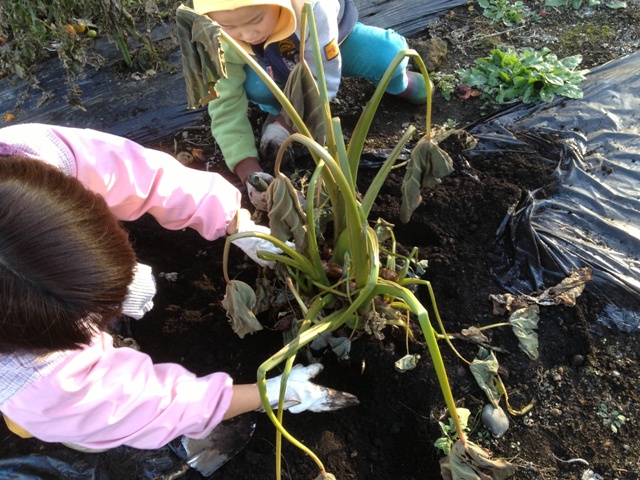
x=230, y=123
x=326, y=15
x=103, y=397
x=135, y=180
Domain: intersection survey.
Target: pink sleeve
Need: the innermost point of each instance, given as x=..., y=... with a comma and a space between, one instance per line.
x=135, y=180
x=104, y=397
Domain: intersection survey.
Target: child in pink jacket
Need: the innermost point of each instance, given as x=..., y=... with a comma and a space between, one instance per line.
x=67, y=270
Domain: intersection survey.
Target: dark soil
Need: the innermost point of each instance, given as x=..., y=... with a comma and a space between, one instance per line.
x=391, y=434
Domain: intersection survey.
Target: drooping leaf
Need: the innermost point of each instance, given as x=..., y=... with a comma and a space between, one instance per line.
x=524, y=322
x=427, y=165
x=485, y=370
x=408, y=362
x=474, y=463
x=383, y=229
x=204, y=59
x=302, y=92
x=564, y=293
x=239, y=301
x=264, y=295
x=286, y=218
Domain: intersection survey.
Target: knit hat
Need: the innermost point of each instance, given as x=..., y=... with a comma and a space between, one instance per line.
x=286, y=23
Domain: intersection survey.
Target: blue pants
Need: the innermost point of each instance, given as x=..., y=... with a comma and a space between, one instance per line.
x=366, y=52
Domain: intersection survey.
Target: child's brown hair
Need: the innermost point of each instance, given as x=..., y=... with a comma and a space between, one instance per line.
x=65, y=260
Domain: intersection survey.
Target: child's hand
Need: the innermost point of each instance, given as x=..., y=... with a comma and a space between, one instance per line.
x=301, y=394
x=273, y=136
x=251, y=245
x=257, y=183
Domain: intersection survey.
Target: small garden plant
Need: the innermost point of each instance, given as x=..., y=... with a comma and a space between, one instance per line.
x=449, y=432
x=577, y=4
x=503, y=11
x=527, y=75
x=611, y=417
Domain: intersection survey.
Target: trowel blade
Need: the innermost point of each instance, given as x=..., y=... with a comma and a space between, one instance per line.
x=210, y=453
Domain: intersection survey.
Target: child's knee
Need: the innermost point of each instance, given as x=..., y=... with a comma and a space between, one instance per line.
x=368, y=52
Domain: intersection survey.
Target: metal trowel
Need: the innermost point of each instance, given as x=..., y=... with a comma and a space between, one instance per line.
x=208, y=454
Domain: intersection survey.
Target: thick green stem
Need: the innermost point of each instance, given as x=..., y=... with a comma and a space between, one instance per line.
x=355, y=227
x=445, y=336
x=388, y=288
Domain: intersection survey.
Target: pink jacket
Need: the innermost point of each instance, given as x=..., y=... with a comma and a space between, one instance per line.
x=101, y=396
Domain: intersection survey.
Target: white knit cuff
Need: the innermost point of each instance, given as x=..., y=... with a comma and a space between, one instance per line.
x=142, y=289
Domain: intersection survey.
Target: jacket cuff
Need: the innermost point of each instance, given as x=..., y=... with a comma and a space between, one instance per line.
x=244, y=167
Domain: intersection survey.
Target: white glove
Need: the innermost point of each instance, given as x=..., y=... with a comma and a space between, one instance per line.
x=251, y=245
x=256, y=189
x=301, y=394
x=272, y=138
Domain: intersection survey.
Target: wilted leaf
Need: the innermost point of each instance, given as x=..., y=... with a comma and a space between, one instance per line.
x=238, y=301
x=523, y=323
x=264, y=295
x=383, y=229
x=302, y=92
x=427, y=165
x=420, y=266
x=202, y=55
x=474, y=334
x=503, y=303
x=286, y=218
x=485, y=370
x=408, y=362
x=341, y=346
x=474, y=463
x=566, y=292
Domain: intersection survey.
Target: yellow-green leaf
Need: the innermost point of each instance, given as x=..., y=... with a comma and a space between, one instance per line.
x=524, y=322
x=485, y=369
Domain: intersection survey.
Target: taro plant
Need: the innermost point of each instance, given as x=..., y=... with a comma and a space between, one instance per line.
x=340, y=281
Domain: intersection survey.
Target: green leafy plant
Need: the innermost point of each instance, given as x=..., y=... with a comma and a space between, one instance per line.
x=613, y=418
x=527, y=75
x=503, y=11
x=445, y=83
x=449, y=432
x=576, y=4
